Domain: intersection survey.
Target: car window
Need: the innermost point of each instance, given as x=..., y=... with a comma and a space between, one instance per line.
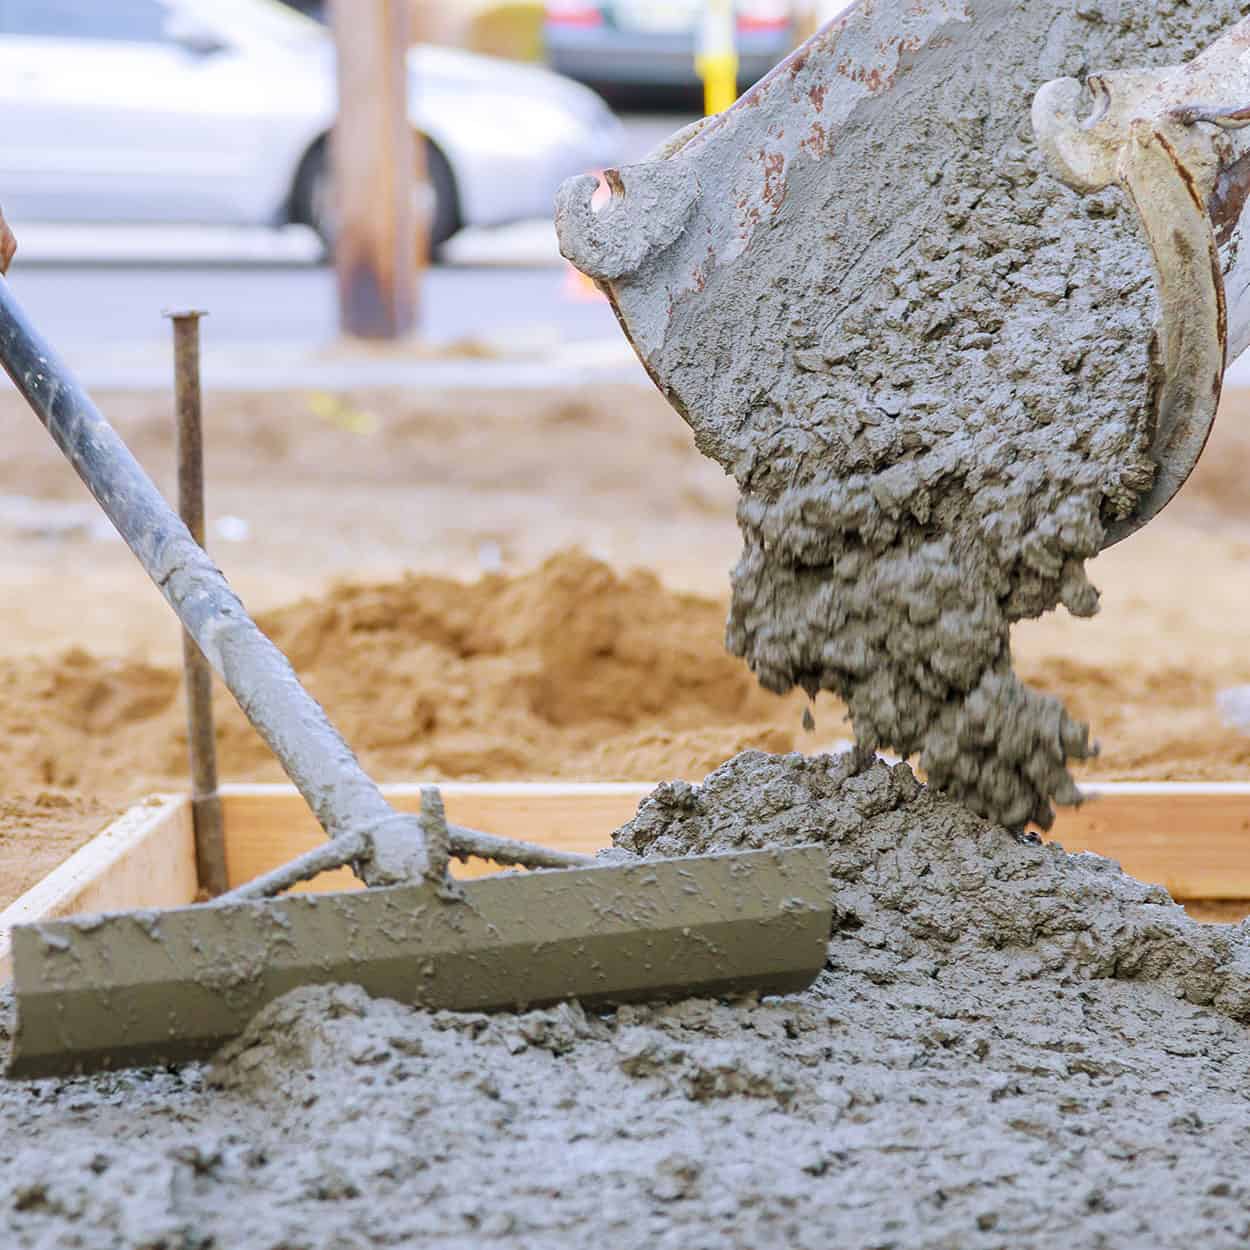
x=136, y=21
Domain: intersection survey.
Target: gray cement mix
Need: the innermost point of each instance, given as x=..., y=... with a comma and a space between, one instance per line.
x=934, y=409
x=1010, y=1047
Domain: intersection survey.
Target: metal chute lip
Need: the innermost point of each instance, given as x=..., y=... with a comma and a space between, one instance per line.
x=1137, y=138
x=1194, y=321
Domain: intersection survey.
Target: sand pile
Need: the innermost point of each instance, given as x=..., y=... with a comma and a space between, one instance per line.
x=1010, y=1047
x=431, y=677
x=571, y=670
x=639, y=687
x=39, y=831
x=567, y=671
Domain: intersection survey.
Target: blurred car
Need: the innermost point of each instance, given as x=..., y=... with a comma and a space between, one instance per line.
x=218, y=111
x=641, y=43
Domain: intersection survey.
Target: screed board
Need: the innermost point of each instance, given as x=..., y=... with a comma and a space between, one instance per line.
x=1194, y=839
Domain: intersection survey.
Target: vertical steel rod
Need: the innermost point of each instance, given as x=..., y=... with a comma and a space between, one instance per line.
x=210, y=837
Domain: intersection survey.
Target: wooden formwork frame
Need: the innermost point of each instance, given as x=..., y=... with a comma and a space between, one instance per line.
x=1193, y=838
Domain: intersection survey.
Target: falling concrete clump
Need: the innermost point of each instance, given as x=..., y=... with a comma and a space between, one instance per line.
x=983, y=410
x=1010, y=1046
x=934, y=418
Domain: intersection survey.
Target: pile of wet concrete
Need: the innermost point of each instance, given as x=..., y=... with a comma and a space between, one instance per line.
x=1010, y=1046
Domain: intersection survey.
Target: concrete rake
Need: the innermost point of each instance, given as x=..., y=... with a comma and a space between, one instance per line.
x=156, y=987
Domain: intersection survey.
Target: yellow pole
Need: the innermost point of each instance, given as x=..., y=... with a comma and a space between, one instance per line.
x=716, y=59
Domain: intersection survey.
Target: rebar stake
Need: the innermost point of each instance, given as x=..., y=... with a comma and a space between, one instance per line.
x=206, y=815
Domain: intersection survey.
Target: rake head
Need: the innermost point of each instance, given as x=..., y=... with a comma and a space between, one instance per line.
x=157, y=987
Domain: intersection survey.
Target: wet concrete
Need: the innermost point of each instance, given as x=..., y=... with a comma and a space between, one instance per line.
x=926, y=363
x=1010, y=1047
x=970, y=411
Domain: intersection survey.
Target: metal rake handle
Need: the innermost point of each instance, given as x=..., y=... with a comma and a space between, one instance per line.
x=388, y=846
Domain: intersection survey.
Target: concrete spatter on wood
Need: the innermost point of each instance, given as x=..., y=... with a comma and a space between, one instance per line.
x=1011, y=1046
x=934, y=406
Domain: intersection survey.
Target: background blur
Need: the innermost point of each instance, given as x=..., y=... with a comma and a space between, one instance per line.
x=172, y=153
x=169, y=151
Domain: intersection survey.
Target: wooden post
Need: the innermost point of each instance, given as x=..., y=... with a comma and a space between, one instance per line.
x=375, y=156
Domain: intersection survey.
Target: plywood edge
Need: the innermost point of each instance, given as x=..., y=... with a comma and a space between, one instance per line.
x=145, y=858
x=266, y=826
x=1191, y=837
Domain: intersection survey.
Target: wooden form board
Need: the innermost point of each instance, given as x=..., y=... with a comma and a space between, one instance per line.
x=145, y=858
x=1192, y=838
x=268, y=825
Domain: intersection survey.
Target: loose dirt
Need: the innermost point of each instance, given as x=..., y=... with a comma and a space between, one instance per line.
x=476, y=687
x=90, y=712
x=570, y=671
x=1010, y=1047
x=567, y=671
x=38, y=832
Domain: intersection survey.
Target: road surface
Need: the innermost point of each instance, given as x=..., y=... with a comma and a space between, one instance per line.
x=91, y=288
x=92, y=308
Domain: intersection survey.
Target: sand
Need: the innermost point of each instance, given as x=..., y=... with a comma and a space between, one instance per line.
x=1010, y=1047
x=89, y=704
x=39, y=830
x=639, y=688
x=571, y=671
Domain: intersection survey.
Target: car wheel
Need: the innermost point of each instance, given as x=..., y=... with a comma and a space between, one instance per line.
x=445, y=211
x=313, y=200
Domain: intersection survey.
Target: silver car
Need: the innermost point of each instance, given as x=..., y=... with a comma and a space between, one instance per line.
x=641, y=43
x=218, y=111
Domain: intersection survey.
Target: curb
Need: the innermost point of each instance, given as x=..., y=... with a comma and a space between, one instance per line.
x=286, y=368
